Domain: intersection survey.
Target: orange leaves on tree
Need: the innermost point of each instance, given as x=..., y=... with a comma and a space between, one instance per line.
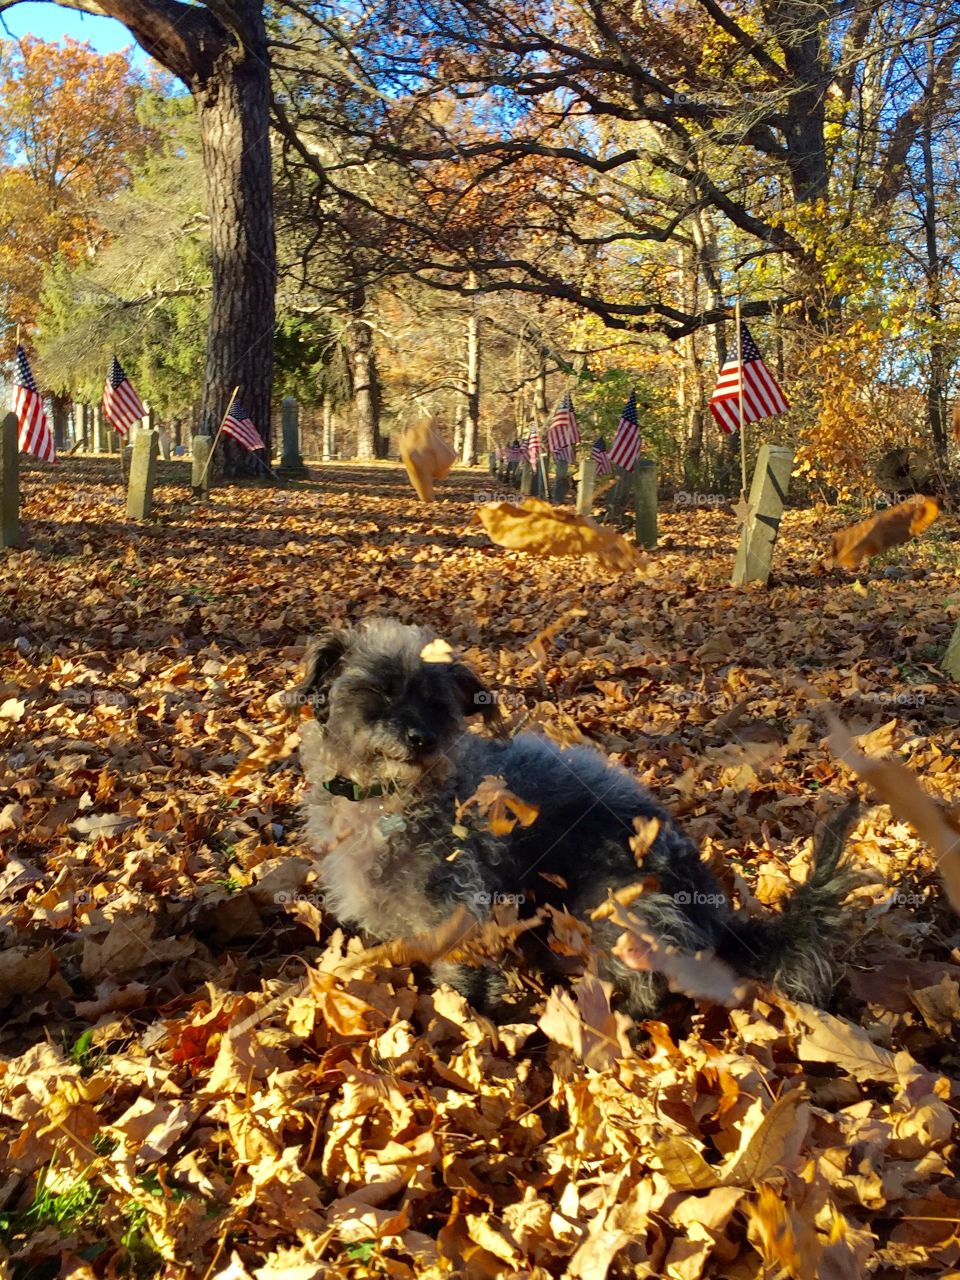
x=69, y=135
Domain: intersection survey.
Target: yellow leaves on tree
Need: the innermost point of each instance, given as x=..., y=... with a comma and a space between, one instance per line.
x=543, y=530
x=860, y=410
x=850, y=547
x=69, y=134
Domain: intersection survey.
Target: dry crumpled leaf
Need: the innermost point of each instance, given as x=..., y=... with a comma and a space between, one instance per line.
x=889, y=528
x=426, y=456
x=544, y=530
x=495, y=803
x=898, y=787
x=23, y=970
x=830, y=1039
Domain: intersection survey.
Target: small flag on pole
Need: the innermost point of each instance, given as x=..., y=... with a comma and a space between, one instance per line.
x=600, y=456
x=533, y=449
x=563, y=434
x=626, y=443
x=762, y=397
x=515, y=452
x=34, y=433
x=238, y=425
x=122, y=406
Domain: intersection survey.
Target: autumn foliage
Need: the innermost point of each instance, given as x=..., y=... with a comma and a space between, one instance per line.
x=202, y=1077
x=69, y=136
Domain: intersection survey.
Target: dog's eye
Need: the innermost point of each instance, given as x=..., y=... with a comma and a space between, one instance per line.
x=373, y=701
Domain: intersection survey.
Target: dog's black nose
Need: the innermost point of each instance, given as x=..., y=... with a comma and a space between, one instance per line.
x=420, y=739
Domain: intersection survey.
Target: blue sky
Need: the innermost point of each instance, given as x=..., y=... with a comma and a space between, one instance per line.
x=51, y=22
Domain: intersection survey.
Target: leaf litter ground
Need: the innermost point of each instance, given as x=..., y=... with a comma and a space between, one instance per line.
x=195, y=1082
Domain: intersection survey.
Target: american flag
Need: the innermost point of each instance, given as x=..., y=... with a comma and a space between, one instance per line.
x=600, y=456
x=762, y=397
x=563, y=434
x=238, y=425
x=626, y=442
x=35, y=435
x=122, y=406
x=515, y=452
x=533, y=449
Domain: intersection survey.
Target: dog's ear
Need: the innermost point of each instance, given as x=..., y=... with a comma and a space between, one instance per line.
x=321, y=659
x=475, y=698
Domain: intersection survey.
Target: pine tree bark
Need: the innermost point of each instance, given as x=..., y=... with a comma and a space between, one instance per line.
x=233, y=107
x=219, y=50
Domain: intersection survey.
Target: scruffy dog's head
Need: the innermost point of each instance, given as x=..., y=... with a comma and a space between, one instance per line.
x=389, y=715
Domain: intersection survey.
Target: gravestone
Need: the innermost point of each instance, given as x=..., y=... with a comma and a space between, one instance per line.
x=619, y=493
x=291, y=460
x=645, y=501
x=950, y=662
x=9, y=482
x=143, y=475
x=768, y=495
x=588, y=476
x=200, y=479
x=561, y=483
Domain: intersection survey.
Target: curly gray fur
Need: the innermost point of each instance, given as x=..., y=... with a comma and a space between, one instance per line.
x=392, y=866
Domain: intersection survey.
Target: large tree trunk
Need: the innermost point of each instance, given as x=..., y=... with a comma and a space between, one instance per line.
x=233, y=108
x=220, y=53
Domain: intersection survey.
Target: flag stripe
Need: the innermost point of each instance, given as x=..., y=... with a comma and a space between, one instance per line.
x=762, y=397
x=34, y=434
x=626, y=442
x=122, y=407
x=237, y=425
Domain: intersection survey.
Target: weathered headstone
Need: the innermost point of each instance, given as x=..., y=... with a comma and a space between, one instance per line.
x=529, y=480
x=291, y=460
x=492, y=463
x=588, y=476
x=9, y=482
x=619, y=493
x=561, y=482
x=645, y=501
x=950, y=662
x=143, y=475
x=768, y=494
x=200, y=479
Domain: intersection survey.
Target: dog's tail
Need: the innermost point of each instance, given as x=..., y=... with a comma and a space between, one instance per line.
x=794, y=950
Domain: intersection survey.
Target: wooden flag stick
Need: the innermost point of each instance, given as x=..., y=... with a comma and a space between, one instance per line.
x=203, y=473
x=743, y=442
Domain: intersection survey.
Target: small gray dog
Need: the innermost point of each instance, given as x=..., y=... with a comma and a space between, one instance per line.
x=388, y=757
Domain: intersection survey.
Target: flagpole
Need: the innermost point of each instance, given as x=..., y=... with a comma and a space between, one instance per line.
x=206, y=468
x=743, y=442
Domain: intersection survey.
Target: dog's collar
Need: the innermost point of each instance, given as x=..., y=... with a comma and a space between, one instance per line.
x=350, y=790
